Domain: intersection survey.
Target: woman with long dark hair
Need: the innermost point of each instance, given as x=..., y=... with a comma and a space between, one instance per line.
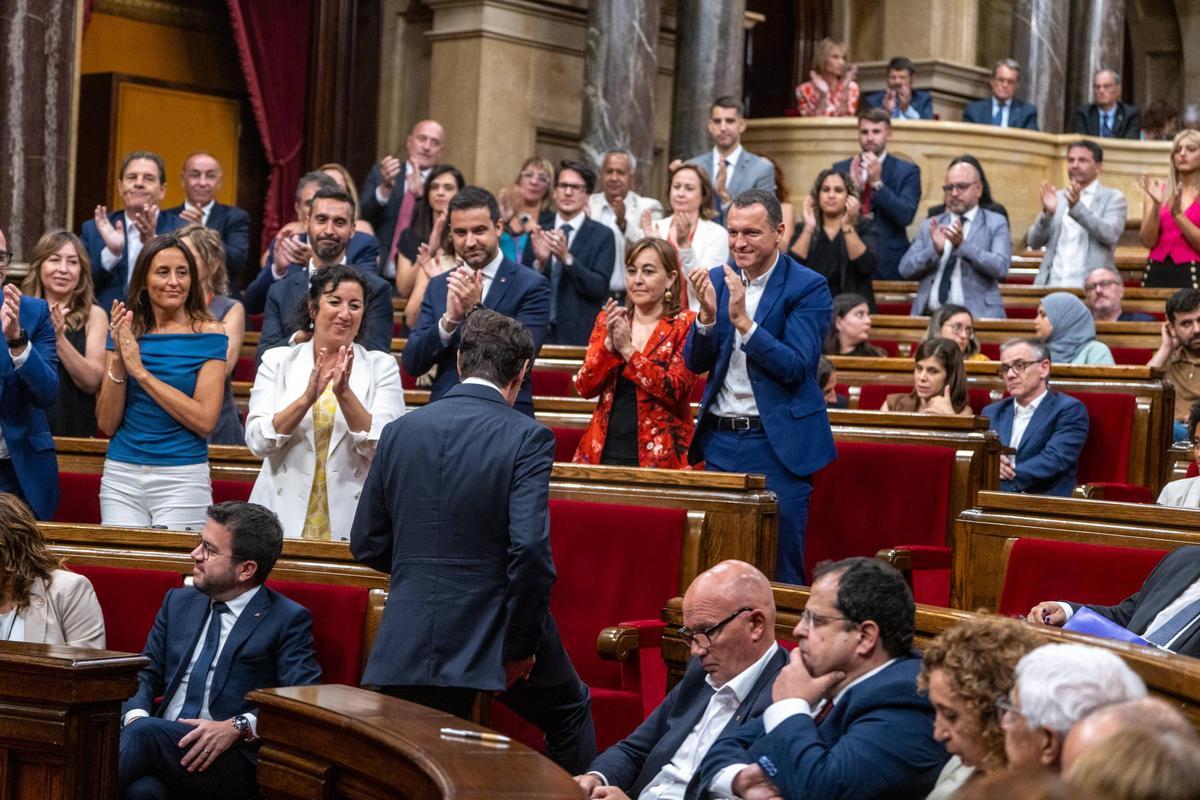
x=939, y=382
x=836, y=240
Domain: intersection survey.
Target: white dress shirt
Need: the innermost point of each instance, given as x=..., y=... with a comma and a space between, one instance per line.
x=12, y=626
x=1189, y=595
x=17, y=363
x=948, y=261
x=1021, y=416
x=133, y=246
x=228, y=619
x=1068, y=268
x=736, y=398
x=489, y=274
x=204, y=210
x=483, y=382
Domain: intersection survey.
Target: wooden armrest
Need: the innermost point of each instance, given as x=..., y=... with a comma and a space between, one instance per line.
x=619, y=642
x=1088, y=491
x=907, y=557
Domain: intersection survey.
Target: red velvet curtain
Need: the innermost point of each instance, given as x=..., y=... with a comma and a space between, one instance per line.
x=272, y=39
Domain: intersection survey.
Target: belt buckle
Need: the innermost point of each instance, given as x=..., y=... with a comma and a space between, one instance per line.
x=741, y=423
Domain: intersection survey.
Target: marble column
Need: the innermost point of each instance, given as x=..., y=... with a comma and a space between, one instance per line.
x=620, y=68
x=1040, y=39
x=36, y=141
x=1097, y=42
x=710, y=42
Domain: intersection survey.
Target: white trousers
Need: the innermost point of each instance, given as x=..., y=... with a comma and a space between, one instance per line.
x=145, y=496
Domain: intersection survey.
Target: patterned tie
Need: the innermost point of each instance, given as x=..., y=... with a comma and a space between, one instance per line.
x=556, y=268
x=316, y=523
x=1175, y=624
x=820, y=716
x=720, y=187
x=194, y=699
x=865, y=205
x=403, y=220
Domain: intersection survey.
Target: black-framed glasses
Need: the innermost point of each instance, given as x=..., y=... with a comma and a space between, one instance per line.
x=703, y=639
x=957, y=187
x=5, y=257
x=1017, y=366
x=571, y=187
x=207, y=551
x=1107, y=283
x=811, y=620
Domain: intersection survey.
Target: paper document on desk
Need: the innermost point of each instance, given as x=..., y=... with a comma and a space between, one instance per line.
x=1087, y=621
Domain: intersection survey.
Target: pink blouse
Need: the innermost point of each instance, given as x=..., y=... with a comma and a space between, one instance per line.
x=1170, y=238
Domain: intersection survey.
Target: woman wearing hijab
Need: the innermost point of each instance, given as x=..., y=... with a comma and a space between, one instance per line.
x=1068, y=329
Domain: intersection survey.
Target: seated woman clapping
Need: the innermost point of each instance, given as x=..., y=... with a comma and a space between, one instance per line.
x=634, y=363
x=317, y=410
x=939, y=382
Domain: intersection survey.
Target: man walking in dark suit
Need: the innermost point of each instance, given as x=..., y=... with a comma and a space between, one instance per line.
x=201, y=178
x=575, y=253
x=211, y=644
x=846, y=718
x=1106, y=115
x=1003, y=109
x=758, y=335
x=729, y=623
x=456, y=509
x=1165, y=611
x=888, y=187
x=484, y=279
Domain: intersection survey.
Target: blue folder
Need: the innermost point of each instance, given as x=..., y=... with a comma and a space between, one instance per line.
x=1087, y=621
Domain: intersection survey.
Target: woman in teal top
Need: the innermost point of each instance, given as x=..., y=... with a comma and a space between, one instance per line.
x=1069, y=331
x=161, y=394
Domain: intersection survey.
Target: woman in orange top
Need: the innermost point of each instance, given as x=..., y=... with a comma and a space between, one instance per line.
x=635, y=364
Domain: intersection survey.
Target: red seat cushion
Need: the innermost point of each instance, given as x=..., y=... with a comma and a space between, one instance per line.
x=223, y=490
x=552, y=383
x=129, y=599
x=891, y=348
x=1098, y=574
x=1193, y=469
x=879, y=495
x=339, y=615
x=872, y=395
x=80, y=499
x=1105, y=456
x=566, y=442
x=1133, y=356
x=898, y=309
x=990, y=349
x=1021, y=312
x=245, y=369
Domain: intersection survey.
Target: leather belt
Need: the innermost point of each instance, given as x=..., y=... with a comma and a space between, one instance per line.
x=737, y=423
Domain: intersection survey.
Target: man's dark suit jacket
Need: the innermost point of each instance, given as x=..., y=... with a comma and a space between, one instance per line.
x=1048, y=458
x=894, y=207
x=456, y=508
x=877, y=742
x=110, y=286
x=362, y=253
x=922, y=102
x=25, y=394
x=1127, y=121
x=233, y=225
x=633, y=762
x=1020, y=113
x=1178, y=570
x=583, y=287
x=284, y=298
x=516, y=292
x=383, y=217
x=270, y=645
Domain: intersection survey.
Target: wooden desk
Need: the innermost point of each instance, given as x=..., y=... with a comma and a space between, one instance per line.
x=60, y=720
x=335, y=741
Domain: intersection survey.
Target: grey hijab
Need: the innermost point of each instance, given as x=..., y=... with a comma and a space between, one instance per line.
x=1073, y=326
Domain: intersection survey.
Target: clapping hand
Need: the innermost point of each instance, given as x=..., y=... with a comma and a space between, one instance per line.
x=290, y=250
x=648, y=228
x=58, y=318
x=954, y=234
x=427, y=261
x=192, y=215
x=121, y=328
x=1155, y=189
x=10, y=313
x=340, y=377
x=611, y=308
x=619, y=332
x=680, y=233
x=737, y=300
x=389, y=170
x=320, y=377
x=113, y=236
x=539, y=239
x=618, y=207
x=853, y=207
x=810, y=213
x=1073, y=192
x=937, y=235
x=558, y=245
x=413, y=182
x=873, y=166
x=704, y=291
x=145, y=221
x=1049, y=198
x=465, y=285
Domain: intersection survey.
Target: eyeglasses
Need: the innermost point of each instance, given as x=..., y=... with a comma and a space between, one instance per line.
x=811, y=620
x=1014, y=366
x=535, y=177
x=703, y=639
x=1107, y=283
x=959, y=327
x=1005, y=710
x=5, y=257
x=207, y=551
x=957, y=187
x=571, y=187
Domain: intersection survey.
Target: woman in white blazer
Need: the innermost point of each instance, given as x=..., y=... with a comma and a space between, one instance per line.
x=317, y=409
x=702, y=243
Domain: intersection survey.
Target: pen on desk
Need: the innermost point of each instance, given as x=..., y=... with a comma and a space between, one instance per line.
x=485, y=737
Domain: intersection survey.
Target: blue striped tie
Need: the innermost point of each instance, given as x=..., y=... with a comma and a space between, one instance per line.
x=194, y=700
x=1175, y=624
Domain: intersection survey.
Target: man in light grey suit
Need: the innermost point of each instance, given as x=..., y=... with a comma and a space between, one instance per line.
x=1079, y=225
x=962, y=255
x=732, y=168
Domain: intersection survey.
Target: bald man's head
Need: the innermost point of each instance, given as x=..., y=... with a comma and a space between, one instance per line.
x=1150, y=713
x=729, y=612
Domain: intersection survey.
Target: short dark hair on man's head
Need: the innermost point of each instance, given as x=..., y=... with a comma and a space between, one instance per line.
x=1182, y=302
x=872, y=114
x=149, y=156
x=470, y=197
x=729, y=101
x=824, y=371
x=1096, y=150
x=322, y=180
x=904, y=63
x=761, y=197
x=587, y=173
x=336, y=194
x=870, y=589
x=255, y=533
x=493, y=347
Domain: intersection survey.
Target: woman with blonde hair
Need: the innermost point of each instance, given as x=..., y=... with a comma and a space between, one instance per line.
x=523, y=203
x=341, y=177
x=61, y=274
x=40, y=602
x=830, y=90
x=1171, y=218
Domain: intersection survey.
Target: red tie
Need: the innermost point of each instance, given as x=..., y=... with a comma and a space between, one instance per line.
x=823, y=713
x=866, y=199
x=403, y=220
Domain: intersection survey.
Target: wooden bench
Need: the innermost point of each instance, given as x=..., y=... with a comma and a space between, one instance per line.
x=992, y=332
x=1021, y=300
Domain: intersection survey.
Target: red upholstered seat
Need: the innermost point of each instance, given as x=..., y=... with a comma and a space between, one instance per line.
x=898, y=309
x=1133, y=356
x=616, y=564
x=566, y=441
x=129, y=599
x=1193, y=469
x=875, y=496
x=80, y=499
x=1021, y=312
x=339, y=615
x=1124, y=493
x=1105, y=456
x=990, y=349
x=406, y=381
x=254, y=322
x=231, y=490
x=552, y=383
x=245, y=369
x=892, y=348
x=1041, y=569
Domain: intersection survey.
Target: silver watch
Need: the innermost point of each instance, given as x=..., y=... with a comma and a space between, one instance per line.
x=243, y=727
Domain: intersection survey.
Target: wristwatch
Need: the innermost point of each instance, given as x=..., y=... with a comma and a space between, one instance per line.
x=243, y=727
x=21, y=340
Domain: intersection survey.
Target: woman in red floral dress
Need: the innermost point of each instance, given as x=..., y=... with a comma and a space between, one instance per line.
x=831, y=90
x=634, y=364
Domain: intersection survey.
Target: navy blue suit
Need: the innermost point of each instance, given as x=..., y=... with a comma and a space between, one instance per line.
x=383, y=217
x=1020, y=113
x=270, y=645
x=877, y=742
x=583, y=286
x=233, y=225
x=1048, y=458
x=455, y=508
x=633, y=762
x=362, y=252
x=894, y=206
x=110, y=286
x=782, y=357
x=25, y=394
x=516, y=292
x=922, y=102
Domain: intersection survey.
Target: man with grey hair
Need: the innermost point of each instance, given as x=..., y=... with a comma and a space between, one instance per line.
x=1003, y=109
x=1056, y=685
x=1103, y=291
x=622, y=209
x=1147, y=713
x=1106, y=115
x=1045, y=428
